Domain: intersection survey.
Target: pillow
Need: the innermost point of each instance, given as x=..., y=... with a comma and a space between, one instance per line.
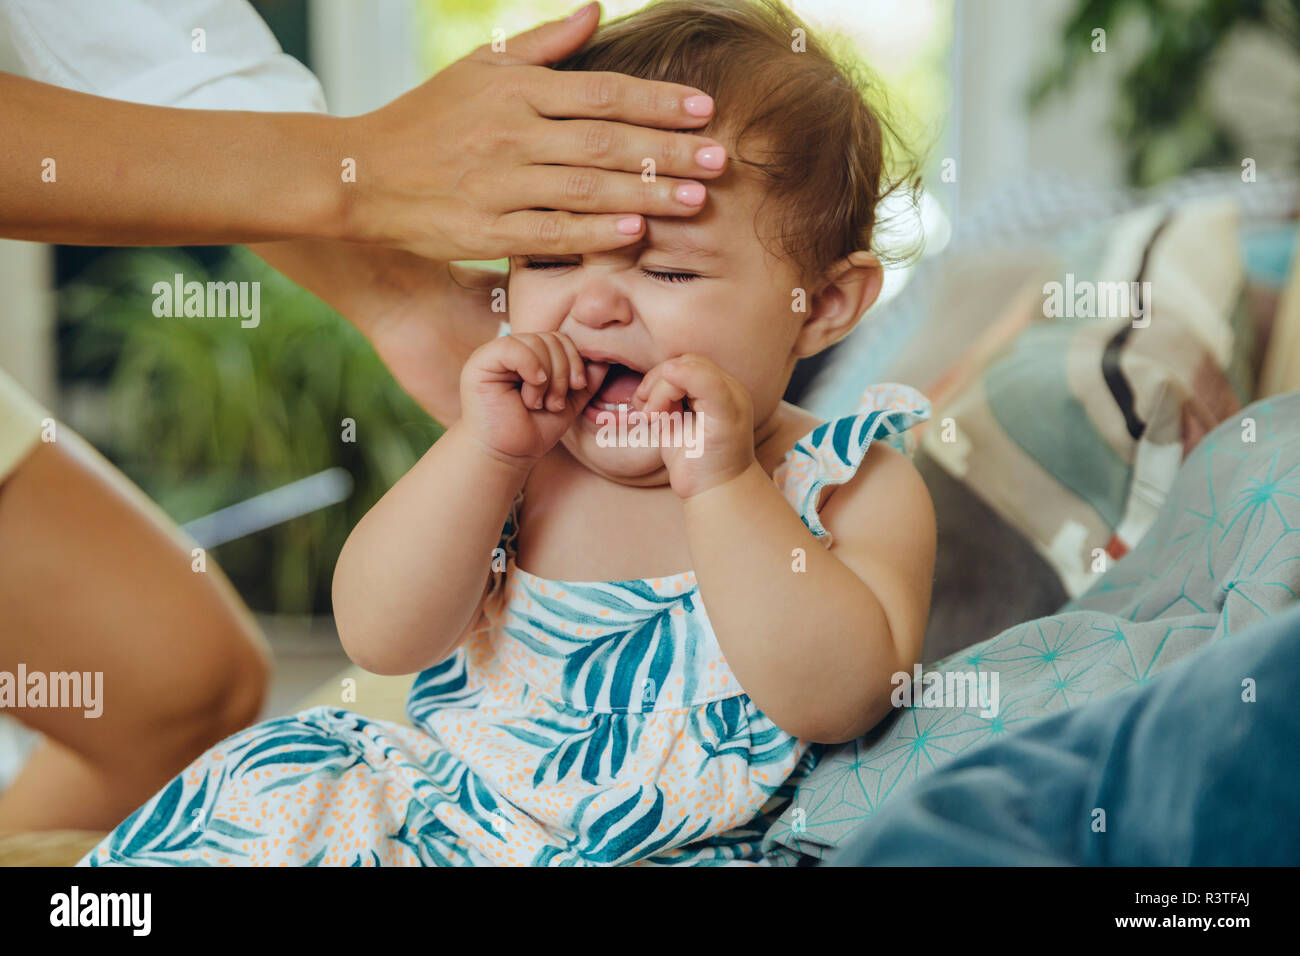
x=989, y=572
x=1281, y=371
x=1074, y=433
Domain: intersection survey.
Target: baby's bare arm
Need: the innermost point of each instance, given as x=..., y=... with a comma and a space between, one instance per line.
x=412, y=575
x=410, y=579
x=815, y=646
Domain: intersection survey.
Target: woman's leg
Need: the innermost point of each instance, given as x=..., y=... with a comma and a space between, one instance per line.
x=94, y=578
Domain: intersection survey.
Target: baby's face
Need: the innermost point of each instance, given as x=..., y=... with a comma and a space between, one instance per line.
x=703, y=285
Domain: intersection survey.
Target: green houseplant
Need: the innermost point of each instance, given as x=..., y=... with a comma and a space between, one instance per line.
x=203, y=412
x=1164, y=121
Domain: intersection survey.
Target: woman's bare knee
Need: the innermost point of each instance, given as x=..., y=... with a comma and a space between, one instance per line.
x=94, y=578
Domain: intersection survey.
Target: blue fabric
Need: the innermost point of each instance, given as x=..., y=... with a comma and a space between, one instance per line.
x=1187, y=771
x=1267, y=252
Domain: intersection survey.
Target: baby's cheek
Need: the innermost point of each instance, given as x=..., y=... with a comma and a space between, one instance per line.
x=525, y=309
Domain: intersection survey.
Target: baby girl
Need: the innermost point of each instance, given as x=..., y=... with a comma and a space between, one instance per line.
x=629, y=652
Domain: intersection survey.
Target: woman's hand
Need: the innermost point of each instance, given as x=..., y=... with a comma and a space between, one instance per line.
x=499, y=155
x=519, y=394
x=721, y=429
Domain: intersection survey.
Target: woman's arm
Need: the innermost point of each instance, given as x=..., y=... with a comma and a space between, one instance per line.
x=495, y=155
x=85, y=170
x=410, y=579
x=423, y=322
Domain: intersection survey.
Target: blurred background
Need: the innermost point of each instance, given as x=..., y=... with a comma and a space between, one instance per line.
x=1006, y=98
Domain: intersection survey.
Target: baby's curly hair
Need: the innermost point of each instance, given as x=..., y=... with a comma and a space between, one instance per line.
x=827, y=155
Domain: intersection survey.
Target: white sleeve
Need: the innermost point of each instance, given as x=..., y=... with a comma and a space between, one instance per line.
x=146, y=51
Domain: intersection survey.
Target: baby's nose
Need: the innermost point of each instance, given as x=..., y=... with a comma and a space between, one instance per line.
x=600, y=303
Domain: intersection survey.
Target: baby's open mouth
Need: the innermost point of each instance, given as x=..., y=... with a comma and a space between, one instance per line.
x=617, y=390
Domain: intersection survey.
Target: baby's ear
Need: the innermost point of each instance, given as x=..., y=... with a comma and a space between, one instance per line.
x=849, y=288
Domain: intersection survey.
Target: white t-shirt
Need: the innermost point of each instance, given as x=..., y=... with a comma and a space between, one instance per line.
x=148, y=51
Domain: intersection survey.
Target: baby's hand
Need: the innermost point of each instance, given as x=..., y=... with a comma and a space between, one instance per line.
x=723, y=425
x=519, y=394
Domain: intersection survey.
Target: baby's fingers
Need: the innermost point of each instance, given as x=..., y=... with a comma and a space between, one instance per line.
x=530, y=361
x=558, y=386
x=702, y=380
x=577, y=365
x=595, y=377
x=663, y=396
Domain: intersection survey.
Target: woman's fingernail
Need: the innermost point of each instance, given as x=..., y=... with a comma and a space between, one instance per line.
x=698, y=105
x=711, y=157
x=580, y=11
x=629, y=225
x=691, y=194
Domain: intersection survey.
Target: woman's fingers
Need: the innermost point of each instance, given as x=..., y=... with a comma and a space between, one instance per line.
x=500, y=155
x=583, y=189
x=619, y=146
x=597, y=95
x=534, y=232
x=529, y=160
x=577, y=94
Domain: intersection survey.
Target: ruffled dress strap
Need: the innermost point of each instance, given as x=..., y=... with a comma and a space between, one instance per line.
x=831, y=453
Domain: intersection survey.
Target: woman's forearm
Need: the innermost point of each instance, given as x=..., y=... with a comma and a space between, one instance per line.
x=423, y=322
x=86, y=170
x=412, y=573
